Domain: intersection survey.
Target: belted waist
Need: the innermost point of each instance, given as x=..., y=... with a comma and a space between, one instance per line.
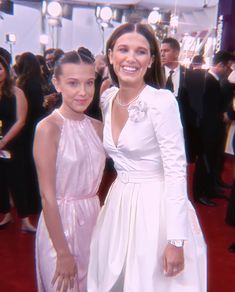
x=69, y=198
x=138, y=177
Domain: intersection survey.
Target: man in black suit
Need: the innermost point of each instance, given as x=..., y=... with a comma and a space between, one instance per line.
x=187, y=88
x=230, y=214
x=212, y=132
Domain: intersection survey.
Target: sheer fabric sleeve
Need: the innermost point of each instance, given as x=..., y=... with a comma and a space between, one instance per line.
x=165, y=117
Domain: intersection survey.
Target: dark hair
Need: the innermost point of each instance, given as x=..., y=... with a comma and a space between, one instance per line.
x=49, y=51
x=58, y=53
x=7, y=89
x=85, y=52
x=222, y=57
x=173, y=43
x=28, y=69
x=153, y=76
x=198, y=60
x=73, y=57
x=43, y=65
x=6, y=55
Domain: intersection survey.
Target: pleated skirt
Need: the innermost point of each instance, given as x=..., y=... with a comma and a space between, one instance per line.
x=129, y=239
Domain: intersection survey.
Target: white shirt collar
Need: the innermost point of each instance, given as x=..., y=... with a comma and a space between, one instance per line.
x=231, y=77
x=167, y=70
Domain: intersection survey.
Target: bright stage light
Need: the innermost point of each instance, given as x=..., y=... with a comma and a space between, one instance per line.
x=106, y=13
x=154, y=17
x=44, y=39
x=54, y=9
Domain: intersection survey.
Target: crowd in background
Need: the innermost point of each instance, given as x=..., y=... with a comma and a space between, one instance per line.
x=205, y=98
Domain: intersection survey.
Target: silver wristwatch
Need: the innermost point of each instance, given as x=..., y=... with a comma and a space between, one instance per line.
x=177, y=242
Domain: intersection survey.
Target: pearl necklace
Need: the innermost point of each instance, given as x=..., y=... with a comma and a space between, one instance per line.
x=131, y=101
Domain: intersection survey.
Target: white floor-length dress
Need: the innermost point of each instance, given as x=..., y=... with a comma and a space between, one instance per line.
x=147, y=204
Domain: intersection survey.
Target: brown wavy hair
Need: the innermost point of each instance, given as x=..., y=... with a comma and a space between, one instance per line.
x=8, y=85
x=28, y=69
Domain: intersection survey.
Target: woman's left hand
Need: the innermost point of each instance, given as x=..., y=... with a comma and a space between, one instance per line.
x=173, y=260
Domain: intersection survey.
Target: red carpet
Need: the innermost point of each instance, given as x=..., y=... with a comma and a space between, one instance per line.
x=17, y=271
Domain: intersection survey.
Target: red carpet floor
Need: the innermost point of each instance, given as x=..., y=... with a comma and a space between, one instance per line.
x=17, y=271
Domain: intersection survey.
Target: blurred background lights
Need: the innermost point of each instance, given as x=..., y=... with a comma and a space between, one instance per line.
x=154, y=17
x=44, y=7
x=105, y=13
x=97, y=12
x=54, y=9
x=44, y=39
x=10, y=38
x=174, y=21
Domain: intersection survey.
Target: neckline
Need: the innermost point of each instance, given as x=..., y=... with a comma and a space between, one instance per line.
x=133, y=100
x=68, y=119
x=111, y=123
x=126, y=123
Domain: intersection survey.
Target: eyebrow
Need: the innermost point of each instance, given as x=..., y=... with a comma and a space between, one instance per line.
x=123, y=45
x=73, y=78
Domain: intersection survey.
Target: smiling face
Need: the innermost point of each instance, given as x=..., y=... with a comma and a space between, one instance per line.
x=130, y=58
x=77, y=85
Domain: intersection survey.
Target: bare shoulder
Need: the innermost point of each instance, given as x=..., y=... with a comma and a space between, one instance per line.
x=49, y=128
x=98, y=126
x=18, y=92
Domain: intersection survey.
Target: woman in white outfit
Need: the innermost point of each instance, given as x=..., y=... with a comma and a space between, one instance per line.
x=147, y=238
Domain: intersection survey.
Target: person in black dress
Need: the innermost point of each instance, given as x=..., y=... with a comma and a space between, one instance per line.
x=30, y=81
x=13, y=112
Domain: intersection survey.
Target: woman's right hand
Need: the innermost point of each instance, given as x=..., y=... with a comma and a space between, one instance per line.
x=65, y=273
x=173, y=260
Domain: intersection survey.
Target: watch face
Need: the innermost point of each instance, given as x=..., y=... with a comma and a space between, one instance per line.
x=177, y=243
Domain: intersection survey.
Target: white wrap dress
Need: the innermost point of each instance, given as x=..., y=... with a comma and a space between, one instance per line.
x=147, y=205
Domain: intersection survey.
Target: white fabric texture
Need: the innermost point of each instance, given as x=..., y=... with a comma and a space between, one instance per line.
x=229, y=140
x=147, y=204
x=231, y=77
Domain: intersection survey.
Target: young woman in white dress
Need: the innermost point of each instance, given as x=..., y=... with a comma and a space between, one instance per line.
x=147, y=237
